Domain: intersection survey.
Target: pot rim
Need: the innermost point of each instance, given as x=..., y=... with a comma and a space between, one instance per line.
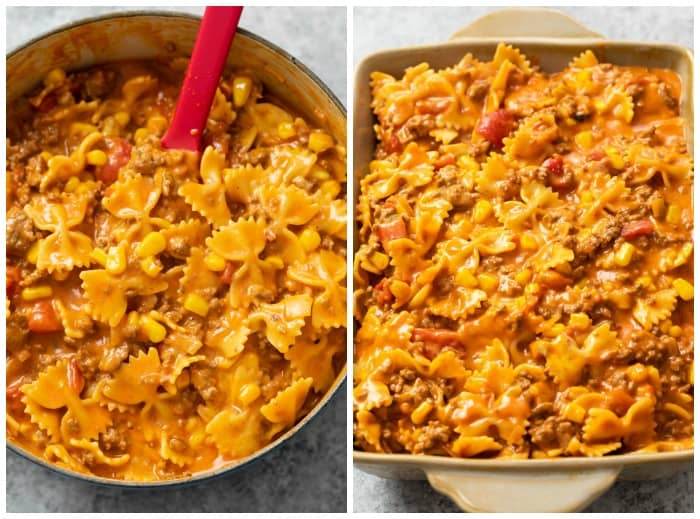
x=235, y=465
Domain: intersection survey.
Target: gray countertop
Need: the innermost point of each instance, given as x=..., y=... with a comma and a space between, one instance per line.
x=378, y=28
x=309, y=472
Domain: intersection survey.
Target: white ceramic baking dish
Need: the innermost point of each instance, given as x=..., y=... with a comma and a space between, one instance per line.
x=532, y=485
x=150, y=35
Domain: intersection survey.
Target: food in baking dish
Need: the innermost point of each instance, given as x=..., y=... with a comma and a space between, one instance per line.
x=167, y=314
x=524, y=280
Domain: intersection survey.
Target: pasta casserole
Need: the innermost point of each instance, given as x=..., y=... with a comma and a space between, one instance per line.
x=524, y=277
x=167, y=312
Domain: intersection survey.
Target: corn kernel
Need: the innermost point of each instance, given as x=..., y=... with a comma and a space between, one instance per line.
x=579, y=321
x=99, y=256
x=71, y=185
x=624, y=254
x=275, y=262
x=122, y=118
x=331, y=188
x=140, y=135
x=320, y=174
x=465, y=278
x=96, y=158
x=673, y=214
x=249, y=393
x=196, y=304
x=557, y=329
x=379, y=260
x=157, y=124
x=55, y=77
x=616, y=161
x=286, y=130
x=684, y=289
x=523, y=277
x=584, y=140
x=133, y=319
x=482, y=210
x=196, y=439
x=152, y=329
x=152, y=244
x=468, y=163
x=151, y=266
x=657, y=207
x=116, y=259
x=528, y=242
x=665, y=326
x=310, y=239
x=675, y=331
x=320, y=141
x=241, y=90
x=644, y=281
x=38, y=292
x=587, y=197
x=487, y=282
x=33, y=253
x=399, y=289
x=214, y=262
x=420, y=413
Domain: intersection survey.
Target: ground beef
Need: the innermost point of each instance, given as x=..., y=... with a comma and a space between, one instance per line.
x=16, y=330
x=204, y=380
x=640, y=346
x=591, y=244
x=431, y=436
x=179, y=247
x=114, y=440
x=88, y=360
x=665, y=93
x=552, y=433
x=478, y=89
x=20, y=232
x=95, y=84
x=453, y=188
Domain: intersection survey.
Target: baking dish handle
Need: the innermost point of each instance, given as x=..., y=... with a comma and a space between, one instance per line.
x=525, y=490
x=525, y=22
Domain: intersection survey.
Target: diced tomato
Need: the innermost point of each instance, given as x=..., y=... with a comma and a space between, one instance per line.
x=12, y=279
x=43, y=319
x=554, y=165
x=597, y=154
x=76, y=380
x=382, y=293
x=393, y=144
x=227, y=274
x=445, y=160
x=118, y=154
x=12, y=392
x=438, y=336
x=433, y=105
x=495, y=126
x=636, y=229
x=392, y=230
x=47, y=104
x=558, y=178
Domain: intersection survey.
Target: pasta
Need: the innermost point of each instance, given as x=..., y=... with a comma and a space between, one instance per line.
x=166, y=314
x=524, y=277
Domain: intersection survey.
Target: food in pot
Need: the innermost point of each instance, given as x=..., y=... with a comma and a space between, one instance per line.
x=167, y=312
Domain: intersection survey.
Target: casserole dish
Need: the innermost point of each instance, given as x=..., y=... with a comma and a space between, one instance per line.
x=535, y=485
x=149, y=36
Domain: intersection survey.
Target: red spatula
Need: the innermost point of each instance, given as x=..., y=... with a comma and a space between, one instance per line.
x=213, y=42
